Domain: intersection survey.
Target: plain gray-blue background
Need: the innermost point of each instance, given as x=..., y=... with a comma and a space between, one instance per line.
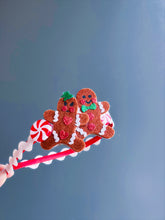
x=115, y=47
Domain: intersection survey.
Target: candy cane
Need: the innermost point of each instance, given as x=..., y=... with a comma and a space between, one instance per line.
x=39, y=132
x=7, y=171
x=34, y=163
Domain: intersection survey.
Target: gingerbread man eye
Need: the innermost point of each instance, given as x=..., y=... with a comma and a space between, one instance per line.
x=71, y=104
x=65, y=103
x=84, y=96
x=89, y=96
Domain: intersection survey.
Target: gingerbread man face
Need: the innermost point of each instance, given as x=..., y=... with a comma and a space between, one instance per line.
x=86, y=97
x=67, y=107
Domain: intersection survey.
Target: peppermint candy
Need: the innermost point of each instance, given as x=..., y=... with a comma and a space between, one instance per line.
x=106, y=119
x=41, y=130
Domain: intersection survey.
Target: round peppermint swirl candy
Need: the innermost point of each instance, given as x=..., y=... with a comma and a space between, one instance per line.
x=40, y=130
x=106, y=119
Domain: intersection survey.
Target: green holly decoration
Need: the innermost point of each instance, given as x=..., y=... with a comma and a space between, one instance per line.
x=66, y=95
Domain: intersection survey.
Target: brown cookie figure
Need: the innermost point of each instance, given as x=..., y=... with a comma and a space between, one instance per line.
x=87, y=101
x=65, y=122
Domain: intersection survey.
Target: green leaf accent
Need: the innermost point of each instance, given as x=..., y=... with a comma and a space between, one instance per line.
x=66, y=95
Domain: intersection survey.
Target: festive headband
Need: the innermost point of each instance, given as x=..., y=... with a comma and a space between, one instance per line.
x=74, y=120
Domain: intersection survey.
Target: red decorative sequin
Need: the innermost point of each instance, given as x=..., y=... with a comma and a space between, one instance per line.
x=91, y=126
x=82, y=101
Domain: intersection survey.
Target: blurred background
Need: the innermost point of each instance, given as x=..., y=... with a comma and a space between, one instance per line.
x=114, y=47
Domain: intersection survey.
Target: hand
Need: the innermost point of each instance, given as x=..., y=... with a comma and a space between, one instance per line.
x=3, y=174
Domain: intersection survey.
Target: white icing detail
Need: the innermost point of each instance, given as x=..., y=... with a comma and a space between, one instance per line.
x=81, y=131
x=77, y=120
x=101, y=107
x=72, y=139
x=18, y=154
x=56, y=138
x=103, y=129
x=56, y=116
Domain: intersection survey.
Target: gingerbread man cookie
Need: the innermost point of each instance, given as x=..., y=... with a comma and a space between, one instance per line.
x=65, y=122
x=87, y=101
